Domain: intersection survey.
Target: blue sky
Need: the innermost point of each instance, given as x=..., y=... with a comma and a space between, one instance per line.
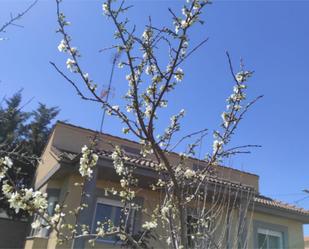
x=271, y=36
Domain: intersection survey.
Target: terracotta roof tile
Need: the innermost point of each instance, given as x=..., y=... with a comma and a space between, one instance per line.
x=266, y=201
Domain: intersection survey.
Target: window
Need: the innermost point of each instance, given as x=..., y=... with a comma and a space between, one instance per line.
x=191, y=229
x=107, y=209
x=194, y=228
x=268, y=239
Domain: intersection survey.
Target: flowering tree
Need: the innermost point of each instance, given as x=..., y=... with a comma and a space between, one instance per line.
x=195, y=210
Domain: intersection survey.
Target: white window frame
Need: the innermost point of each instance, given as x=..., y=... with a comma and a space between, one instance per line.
x=273, y=233
x=114, y=203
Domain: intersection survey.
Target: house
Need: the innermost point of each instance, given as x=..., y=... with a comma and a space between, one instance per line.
x=274, y=224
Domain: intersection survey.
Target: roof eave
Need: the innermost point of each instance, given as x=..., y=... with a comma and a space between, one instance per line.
x=277, y=211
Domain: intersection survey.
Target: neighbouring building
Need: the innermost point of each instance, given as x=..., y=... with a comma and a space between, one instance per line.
x=306, y=239
x=277, y=224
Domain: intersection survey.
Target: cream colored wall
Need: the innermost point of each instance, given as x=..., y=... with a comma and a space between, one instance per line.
x=295, y=229
x=72, y=201
x=71, y=195
x=47, y=162
x=36, y=243
x=150, y=200
x=306, y=242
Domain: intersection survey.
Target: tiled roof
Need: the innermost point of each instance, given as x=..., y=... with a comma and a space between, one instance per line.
x=148, y=164
x=134, y=142
x=268, y=202
x=142, y=162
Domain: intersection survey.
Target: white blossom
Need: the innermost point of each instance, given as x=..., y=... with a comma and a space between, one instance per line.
x=122, y=237
x=62, y=47
x=5, y=164
x=36, y=224
x=115, y=108
x=129, y=108
x=163, y=103
x=148, y=111
x=70, y=64
x=150, y=69
x=169, y=240
x=6, y=189
x=117, y=160
x=16, y=202
x=184, y=24
x=243, y=76
x=189, y=173
x=8, y=162
x=217, y=145
x=123, y=183
x=105, y=8
x=150, y=225
x=87, y=161
x=226, y=119
x=39, y=200
x=147, y=34
x=179, y=75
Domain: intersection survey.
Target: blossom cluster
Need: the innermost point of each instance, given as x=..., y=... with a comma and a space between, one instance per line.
x=127, y=180
x=230, y=117
x=150, y=225
x=191, y=12
x=65, y=47
x=118, y=162
x=48, y=221
x=5, y=164
x=25, y=199
x=171, y=129
x=87, y=162
x=235, y=98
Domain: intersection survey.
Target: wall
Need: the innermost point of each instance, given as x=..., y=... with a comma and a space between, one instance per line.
x=150, y=199
x=306, y=242
x=295, y=229
x=47, y=163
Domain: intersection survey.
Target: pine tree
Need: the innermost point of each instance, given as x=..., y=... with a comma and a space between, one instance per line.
x=39, y=128
x=26, y=133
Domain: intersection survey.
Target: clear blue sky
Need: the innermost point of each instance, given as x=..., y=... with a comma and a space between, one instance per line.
x=272, y=37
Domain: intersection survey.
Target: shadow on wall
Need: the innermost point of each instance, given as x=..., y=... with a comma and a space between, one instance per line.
x=13, y=233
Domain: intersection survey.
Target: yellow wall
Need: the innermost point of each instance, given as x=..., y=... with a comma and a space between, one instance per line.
x=306, y=242
x=47, y=163
x=295, y=229
x=150, y=199
x=36, y=243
